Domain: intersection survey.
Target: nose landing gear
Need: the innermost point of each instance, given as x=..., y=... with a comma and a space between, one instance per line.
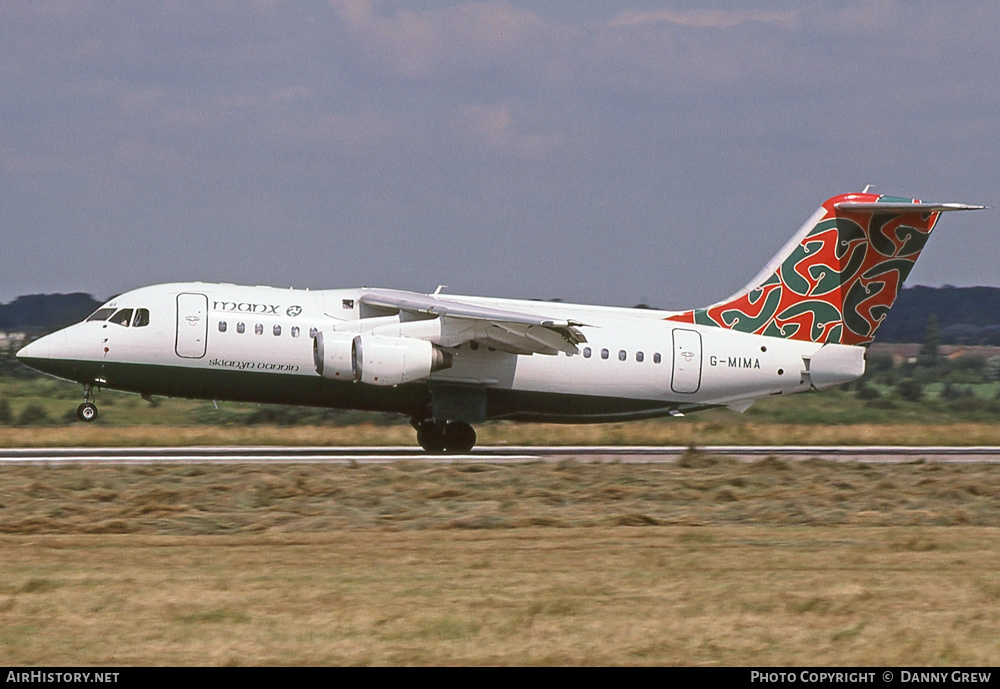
x=88, y=410
x=452, y=437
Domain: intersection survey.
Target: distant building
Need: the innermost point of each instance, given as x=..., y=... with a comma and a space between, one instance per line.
x=11, y=340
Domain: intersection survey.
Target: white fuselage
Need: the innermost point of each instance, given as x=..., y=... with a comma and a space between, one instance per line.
x=224, y=341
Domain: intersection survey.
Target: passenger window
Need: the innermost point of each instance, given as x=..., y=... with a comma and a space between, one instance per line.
x=656, y=358
x=141, y=318
x=101, y=315
x=622, y=355
x=604, y=354
x=241, y=328
x=586, y=352
x=473, y=345
x=295, y=331
x=259, y=329
x=277, y=330
x=222, y=326
x=313, y=332
x=123, y=317
x=639, y=357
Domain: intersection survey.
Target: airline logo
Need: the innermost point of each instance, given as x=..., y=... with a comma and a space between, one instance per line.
x=251, y=307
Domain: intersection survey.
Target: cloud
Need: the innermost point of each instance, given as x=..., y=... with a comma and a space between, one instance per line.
x=491, y=127
x=355, y=132
x=419, y=44
x=267, y=100
x=141, y=100
x=704, y=19
x=138, y=155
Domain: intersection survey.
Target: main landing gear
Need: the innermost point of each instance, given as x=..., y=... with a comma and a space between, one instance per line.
x=453, y=437
x=88, y=410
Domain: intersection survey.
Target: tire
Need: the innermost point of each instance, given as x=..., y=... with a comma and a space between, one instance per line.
x=430, y=436
x=459, y=437
x=86, y=412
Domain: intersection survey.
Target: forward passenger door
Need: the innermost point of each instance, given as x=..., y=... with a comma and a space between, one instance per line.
x=192, y=325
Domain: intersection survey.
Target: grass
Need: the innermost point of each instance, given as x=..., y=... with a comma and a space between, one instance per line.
x=684, y=432
x=698, y=491
x=610, y=595
x=706, y=561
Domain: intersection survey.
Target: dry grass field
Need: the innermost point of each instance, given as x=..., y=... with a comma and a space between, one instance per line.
x=658, y=432
x=706, y=561
x=604, y=595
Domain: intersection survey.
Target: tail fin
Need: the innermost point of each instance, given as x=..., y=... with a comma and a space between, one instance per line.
x=835, y=280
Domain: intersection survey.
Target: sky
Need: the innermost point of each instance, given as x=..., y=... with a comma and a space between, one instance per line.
x=610, y=153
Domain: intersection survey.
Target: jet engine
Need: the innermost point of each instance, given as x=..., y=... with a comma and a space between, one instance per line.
x=332, y=355
x=374, y=359
x=394, y=360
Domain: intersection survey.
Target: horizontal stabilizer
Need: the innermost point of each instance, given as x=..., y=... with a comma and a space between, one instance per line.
x=897, y=207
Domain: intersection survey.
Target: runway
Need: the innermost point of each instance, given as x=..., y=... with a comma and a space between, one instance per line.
x=882, y=454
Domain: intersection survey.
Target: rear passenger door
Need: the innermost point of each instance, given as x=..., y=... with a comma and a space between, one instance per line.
x=686, y=376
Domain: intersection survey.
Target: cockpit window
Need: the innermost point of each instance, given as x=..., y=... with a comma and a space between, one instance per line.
x=141, y=318
x=101, y=315
x=123, y=317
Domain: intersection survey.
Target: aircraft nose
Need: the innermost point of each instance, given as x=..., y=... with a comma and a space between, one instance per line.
x=44, y=348
x=39, y=349
x=49, y=354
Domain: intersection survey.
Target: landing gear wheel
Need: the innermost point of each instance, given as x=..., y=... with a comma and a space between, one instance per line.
x=430, y=436
x=86, y=412
x=453, y=437
x=459, y=437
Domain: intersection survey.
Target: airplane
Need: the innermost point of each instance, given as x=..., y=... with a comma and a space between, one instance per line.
x=447, y=362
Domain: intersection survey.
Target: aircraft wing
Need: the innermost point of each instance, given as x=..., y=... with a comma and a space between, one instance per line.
x=512, y=331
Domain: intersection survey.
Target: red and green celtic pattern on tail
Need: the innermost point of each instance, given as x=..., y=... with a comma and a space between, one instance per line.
x=838, y=283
